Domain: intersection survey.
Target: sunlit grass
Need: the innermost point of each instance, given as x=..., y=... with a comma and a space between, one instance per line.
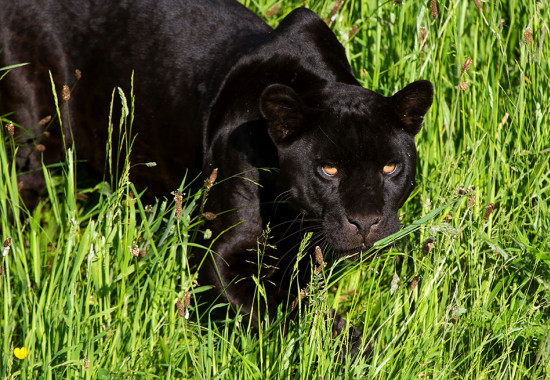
x=463, y=296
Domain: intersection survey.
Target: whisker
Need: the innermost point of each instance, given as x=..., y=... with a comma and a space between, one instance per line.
x=316, y=240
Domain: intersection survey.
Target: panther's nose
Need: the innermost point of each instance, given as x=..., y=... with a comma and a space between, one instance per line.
x=364, y=224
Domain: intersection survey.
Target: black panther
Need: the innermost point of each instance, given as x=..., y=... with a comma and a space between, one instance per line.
x=216, y=88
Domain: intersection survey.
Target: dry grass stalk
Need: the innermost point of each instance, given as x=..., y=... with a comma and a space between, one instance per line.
x=297, y=300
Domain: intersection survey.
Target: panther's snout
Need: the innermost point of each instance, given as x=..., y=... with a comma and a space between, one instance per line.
x=364, y=225
x=358, y=233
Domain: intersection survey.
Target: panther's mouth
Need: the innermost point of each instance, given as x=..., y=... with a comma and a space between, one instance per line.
x=358, y=253
x=362, y=252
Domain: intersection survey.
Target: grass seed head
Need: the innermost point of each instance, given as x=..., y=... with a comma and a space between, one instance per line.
x=422, y=38
x=186, y=299
x=422, y=34
x=181, y=309
x=319, y=255
x=209, y=215
x=40, y=147
x=178, y=198
x=528, y=36
x=394, y=283
x=428, y=246
x=464, y=85
x=86, y=364
x=7, y=242
x=488, y=210
x=212, y=179
x=433, y=7
x=272, y=11
x=466, y=65
x=454, y=318
x=352, y=32
x=10, y=128
x=320, y=260
x=472, y=200
x=78, y=74
x=44, y=121
x=478, y=6
x=335, y=8
x=503, y=121
x=415, y=282
x=66, y=93
x=134, y=250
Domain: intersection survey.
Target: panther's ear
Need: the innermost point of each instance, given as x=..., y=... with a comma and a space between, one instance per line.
x=412, y=103
x=283, y=111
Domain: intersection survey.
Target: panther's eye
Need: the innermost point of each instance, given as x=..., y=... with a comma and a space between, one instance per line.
x=389, y=168
x=330, y=170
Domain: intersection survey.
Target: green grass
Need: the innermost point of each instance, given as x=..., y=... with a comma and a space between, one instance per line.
x=475, y=306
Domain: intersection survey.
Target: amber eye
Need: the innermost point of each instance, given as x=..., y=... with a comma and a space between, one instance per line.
x=389, y=168
x=330, y=170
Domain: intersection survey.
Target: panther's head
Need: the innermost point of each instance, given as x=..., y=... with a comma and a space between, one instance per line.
x=347, y=155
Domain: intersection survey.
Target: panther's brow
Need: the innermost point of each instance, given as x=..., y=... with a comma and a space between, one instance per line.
x=327, y=136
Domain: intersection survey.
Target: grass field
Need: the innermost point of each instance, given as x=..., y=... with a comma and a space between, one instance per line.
x=91, y=288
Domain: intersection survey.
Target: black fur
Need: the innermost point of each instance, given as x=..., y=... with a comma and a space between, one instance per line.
x=215, y=87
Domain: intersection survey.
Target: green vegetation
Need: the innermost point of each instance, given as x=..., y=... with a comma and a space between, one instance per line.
x=464, y=296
